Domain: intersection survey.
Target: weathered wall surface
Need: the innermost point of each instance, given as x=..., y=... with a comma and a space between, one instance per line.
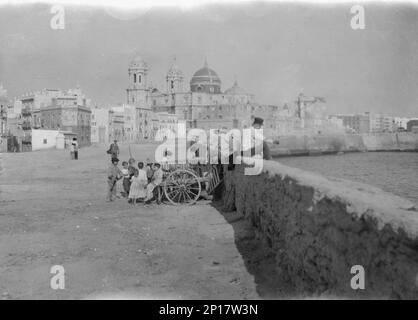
x=294, y=145
x=320, y=228
x=44, y=139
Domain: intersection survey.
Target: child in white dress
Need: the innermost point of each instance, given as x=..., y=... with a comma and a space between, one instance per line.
x=139, y=182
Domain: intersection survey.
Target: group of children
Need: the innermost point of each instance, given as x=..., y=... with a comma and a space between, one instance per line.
x=139, y=182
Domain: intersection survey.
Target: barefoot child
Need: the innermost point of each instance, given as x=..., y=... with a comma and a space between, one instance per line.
x=136, y=186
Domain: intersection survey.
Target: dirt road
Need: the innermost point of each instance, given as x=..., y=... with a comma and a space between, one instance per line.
x=53, y=212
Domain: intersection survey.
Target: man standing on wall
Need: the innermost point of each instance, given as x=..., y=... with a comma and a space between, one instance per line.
x=258, y=124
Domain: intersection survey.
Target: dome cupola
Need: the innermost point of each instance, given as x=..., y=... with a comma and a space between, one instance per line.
x=205, y=80
x=235, y=89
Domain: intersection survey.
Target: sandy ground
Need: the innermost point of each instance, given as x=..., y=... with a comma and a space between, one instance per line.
x=53, y=212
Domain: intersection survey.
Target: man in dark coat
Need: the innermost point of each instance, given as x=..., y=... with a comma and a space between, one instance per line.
x=114, y=149
x=113, y=175
x=258, y=124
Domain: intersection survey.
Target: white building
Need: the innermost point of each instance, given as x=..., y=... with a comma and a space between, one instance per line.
x=124, y=121
x=401, y=122
x=382, y=123
x=100, y=125
x=44, y=139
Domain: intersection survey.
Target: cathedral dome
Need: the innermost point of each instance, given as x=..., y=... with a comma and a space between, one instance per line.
x=138, y=63
x=206, y=80
x=235, y=89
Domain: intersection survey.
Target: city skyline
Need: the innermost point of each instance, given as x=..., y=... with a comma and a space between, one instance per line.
x=355, y=70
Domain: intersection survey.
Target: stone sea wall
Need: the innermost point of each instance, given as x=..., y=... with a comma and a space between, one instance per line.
x=320, y=228
x=301, y=145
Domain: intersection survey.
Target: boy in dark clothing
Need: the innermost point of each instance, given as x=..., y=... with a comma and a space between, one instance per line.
x=113, y=175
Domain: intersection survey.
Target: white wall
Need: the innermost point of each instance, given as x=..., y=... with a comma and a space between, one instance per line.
x=44, y=139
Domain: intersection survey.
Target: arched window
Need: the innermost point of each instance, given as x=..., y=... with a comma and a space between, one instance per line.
x=134, y=77
x=139, y=78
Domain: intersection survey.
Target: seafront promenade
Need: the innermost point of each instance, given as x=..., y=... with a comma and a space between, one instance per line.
x=281, y=234
x=53, y=212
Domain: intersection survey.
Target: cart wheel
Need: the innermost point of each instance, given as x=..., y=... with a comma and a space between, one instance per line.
x=182, y=187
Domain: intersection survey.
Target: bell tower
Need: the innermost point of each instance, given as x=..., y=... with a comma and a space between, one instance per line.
x=137, y=91
x=174, y=78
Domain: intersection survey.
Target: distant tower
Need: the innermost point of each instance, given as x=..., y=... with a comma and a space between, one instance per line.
x=137, y=90
x=174, y=78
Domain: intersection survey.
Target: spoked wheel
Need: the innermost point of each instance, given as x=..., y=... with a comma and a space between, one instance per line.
x=182, y=187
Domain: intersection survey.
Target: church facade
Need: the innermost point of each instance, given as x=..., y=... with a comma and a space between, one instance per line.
x=201, y=102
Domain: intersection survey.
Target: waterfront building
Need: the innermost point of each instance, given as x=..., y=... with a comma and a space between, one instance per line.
x=355, y=123
x=412, y=125
x=382, y=123
x=401, y=123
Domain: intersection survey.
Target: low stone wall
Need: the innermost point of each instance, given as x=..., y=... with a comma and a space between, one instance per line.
x=320, y=228
x=301, y=145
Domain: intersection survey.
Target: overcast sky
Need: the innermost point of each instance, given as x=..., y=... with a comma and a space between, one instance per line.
x=276, y=51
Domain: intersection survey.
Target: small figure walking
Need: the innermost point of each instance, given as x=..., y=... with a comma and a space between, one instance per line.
x=113, y=175
x=114, y=149
x=74, y=149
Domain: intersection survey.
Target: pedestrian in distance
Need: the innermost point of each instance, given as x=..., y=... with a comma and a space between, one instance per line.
x=114, y=149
